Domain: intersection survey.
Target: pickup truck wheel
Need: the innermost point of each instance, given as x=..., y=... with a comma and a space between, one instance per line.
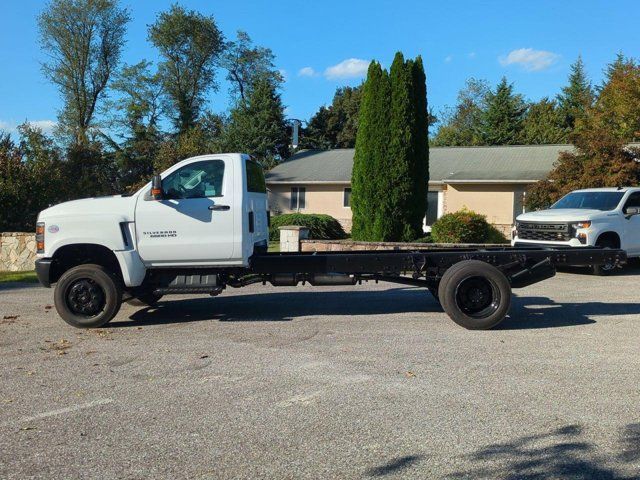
x=607, y=268
x=88, y=296
x=475, y=294
x=146, y=299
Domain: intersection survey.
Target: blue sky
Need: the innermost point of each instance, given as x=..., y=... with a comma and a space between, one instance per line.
x=321, y=45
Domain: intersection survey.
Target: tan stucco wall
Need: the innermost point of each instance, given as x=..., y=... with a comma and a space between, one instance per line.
x=501, y=203
x=324, y=198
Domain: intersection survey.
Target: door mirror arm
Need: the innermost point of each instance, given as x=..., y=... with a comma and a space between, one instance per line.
x=631, y=211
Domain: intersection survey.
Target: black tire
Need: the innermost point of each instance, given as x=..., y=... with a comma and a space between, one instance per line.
x=606, y=269
x=88, y=296
x=475, y=294
x=144, y=299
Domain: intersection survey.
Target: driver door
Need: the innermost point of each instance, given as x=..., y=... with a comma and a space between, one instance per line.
x=193, y=223
x=631, y=238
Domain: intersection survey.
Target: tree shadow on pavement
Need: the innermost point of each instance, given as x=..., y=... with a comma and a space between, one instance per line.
x=542, y=312
x=561, y=453
x=395, y=466
x=285, y=306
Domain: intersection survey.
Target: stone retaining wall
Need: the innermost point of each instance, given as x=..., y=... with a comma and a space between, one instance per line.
x=17, y=251
x=350, y=245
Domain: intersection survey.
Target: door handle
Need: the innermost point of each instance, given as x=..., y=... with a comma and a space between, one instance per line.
x=219, y=208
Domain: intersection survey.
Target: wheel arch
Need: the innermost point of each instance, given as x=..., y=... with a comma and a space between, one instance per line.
x=609, y=236
x=72, y=255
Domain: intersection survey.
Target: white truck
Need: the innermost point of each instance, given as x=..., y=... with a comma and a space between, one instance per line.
x=602, y=217
x=202, y=226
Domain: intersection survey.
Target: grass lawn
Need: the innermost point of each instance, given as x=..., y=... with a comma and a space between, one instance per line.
x=274, y=246
x=29, y=277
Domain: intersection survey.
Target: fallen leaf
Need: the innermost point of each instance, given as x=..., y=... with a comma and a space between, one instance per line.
x=48, y=307
x=204, y=356
x=27, y=428
x=10, y=317
x=30, y=373
x=410, y=374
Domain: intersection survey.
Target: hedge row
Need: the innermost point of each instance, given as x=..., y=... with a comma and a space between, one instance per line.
x=321, y=227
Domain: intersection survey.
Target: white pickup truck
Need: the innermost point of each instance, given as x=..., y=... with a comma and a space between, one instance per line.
x=202, y=226
x=602, y=217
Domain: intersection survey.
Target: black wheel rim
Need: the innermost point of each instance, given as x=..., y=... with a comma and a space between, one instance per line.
x=85, y=297
x=607, y=267
x=477, y=297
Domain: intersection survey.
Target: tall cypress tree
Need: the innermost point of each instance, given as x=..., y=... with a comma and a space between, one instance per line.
x=390, y=174
x=371, y=151
x=421, y=148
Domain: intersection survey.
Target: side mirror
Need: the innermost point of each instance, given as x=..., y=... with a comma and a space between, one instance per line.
x=156, y=187
x=632, y=211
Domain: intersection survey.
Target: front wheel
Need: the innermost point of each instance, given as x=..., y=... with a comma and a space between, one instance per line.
x=475, y=294
x=88, y=296
x=608, y=268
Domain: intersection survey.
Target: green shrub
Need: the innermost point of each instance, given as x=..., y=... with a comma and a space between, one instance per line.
x=321, y=227
x=465, y=226
x=426, y=239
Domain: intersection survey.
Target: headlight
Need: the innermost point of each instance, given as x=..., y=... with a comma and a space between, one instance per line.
x=584, y=224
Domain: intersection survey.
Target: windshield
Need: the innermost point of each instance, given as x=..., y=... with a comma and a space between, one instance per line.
x=590, y=200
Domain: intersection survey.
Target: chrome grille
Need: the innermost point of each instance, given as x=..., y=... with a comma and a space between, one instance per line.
x=546, y=232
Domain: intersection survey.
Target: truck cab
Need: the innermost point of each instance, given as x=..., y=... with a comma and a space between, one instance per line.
x=208, y=211
x=602, y=217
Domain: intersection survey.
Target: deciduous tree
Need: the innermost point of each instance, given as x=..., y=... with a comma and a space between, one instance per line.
x=83, y=40
x=190, y=45
x=245, y=63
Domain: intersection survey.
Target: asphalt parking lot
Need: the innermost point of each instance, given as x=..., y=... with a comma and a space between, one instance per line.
x=361, y=382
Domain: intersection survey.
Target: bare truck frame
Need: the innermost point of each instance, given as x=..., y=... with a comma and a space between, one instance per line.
x=472, y=285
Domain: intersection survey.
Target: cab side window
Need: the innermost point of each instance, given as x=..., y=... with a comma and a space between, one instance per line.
x=196, y=180
x=633, y=200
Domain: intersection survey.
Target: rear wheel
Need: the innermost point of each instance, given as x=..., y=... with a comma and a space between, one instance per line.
x=88, y=296
x=475, y=294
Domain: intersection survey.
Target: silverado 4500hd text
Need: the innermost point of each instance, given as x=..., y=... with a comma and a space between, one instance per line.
x=202, y=226
x=602, y=217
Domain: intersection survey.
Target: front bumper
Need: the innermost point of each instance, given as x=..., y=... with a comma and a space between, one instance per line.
x=43, y=267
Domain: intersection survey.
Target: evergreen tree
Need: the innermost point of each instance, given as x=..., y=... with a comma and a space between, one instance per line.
x=421, y=148
x=257, y=126
x=502, y=120
x=335, y=126
x=371, y=152
x=577, y=97
x=543, y=124
x=390, y=174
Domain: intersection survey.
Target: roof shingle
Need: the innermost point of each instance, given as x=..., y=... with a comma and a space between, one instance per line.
x=499, y=164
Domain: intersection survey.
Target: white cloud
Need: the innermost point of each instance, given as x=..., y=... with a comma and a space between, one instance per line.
x=529, y=59
x=472, y=55
x=349, y=68
x=307, y=72
x=47, y=126
x=448, y=58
